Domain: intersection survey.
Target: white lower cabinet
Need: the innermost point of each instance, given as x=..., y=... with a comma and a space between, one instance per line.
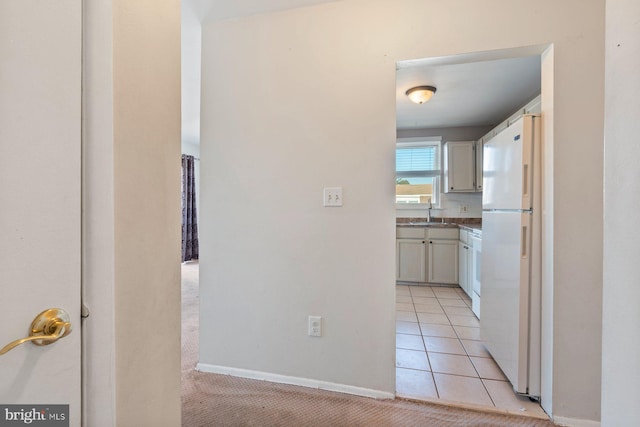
x=443, y=261
x=427, y=255
x=410, y=260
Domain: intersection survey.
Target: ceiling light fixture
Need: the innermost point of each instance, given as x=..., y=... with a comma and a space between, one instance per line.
x=421, y=94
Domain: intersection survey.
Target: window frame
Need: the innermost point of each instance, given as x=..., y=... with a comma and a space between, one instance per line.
x=429, y=141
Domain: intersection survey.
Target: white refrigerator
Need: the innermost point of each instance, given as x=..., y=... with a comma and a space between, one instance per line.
x=511, y=255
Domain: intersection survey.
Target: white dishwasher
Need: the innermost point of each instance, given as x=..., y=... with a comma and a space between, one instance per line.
x=476, y=269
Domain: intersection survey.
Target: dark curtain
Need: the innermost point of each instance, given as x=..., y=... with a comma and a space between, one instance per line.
x=189, y=218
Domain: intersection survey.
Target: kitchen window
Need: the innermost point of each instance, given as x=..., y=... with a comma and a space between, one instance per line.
x=418, y=172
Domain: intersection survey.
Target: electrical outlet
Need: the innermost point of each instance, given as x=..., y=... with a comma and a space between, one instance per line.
x=463, y=209
x=315, y=326
x=333, y=196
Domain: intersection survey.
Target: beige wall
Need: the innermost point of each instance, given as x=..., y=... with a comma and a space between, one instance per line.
x=146, y=63
x=621, y=311
x=132, y=212
x=548, y=256
x=305, y=99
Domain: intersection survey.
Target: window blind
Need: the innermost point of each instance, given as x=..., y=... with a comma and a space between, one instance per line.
x=417, y=159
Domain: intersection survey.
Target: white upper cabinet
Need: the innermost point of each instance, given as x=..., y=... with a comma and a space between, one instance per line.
x=459, y=167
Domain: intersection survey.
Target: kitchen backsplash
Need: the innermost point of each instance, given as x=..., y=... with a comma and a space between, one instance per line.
x=468, y=221
x=452, y=205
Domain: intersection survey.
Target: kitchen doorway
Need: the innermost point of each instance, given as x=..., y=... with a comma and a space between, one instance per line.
x=439, y=351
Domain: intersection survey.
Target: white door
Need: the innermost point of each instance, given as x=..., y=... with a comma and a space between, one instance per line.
x=40, y=177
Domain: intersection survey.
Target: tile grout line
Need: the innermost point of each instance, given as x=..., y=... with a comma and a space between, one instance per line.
x=457, y=336
x=426, y=353
x=465, y=350
x=468, y=356
x=488, y=394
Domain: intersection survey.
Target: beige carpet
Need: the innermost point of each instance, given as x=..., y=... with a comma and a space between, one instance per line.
x=221, y=400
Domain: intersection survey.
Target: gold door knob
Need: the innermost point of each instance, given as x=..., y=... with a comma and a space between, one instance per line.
x=47, y=328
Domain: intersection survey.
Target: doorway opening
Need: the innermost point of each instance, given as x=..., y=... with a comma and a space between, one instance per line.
x=440, y=354
x=190, y=268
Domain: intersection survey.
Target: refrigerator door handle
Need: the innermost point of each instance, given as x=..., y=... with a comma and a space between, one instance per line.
x=525, y=180
x=523, y=250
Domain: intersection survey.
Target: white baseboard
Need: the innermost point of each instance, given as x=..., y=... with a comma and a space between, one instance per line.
x=285, y=379
x=575, y=422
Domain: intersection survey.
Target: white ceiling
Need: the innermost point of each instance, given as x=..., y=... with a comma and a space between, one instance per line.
x=468, y=94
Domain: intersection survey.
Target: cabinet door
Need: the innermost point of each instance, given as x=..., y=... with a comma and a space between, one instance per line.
x=460, y=164
x=410, y=260
x=443, y=261
x=463, y=266
x=479, y=144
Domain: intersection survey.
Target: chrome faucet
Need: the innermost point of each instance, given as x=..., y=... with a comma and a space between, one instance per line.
x=429, y=207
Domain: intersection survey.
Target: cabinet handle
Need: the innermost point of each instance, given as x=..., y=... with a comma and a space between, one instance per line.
x=423, y=241
x=430, y=242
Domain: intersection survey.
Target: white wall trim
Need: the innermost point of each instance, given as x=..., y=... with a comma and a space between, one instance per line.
x=285, y=379
x=575, y=422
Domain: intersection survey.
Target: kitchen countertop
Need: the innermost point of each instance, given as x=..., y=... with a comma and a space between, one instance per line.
x=428, y=224
x=474, y=228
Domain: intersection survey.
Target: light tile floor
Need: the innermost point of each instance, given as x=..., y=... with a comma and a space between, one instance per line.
x=439, y=354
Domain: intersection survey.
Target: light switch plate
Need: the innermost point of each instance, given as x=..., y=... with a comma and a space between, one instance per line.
x=333, y=196
x=315, y=326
